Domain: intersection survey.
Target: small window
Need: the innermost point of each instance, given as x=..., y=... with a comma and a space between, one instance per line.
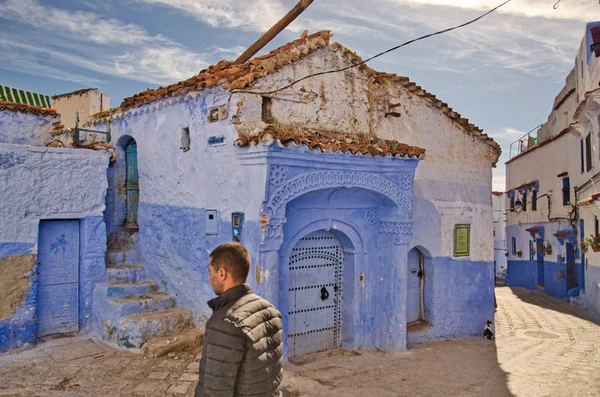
x=588, y=151
x=524, y=204
x=582, y=157
x=185, y=139
x=534, y=200
x=566, y=191
x=531, y=253
x=512, y=203
x=494, y=233
x=514, y=246
x=595, y=226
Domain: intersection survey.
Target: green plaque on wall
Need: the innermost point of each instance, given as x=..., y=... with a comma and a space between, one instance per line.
x=462, y=240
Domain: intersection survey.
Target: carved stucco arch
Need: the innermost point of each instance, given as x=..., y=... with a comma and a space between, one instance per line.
x=312, y=181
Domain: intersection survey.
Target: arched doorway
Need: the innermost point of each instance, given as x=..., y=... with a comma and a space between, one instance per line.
x=131, y=184
x=415, y=286
x=314, y=294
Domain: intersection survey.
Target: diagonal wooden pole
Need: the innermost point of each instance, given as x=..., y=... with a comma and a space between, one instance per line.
x=274, y=31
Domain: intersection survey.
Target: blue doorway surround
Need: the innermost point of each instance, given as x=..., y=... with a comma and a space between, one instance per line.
x=366, y=202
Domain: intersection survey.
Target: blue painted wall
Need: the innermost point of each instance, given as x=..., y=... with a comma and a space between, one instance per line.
x=44, y=184
x=522, y=273
x=553, y=286
x=459, y=298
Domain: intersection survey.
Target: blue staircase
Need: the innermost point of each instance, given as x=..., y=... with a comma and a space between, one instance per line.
x=129, y=308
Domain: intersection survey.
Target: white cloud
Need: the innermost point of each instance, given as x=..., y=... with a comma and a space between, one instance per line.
x=256, y=15
x=78, y=25
x=579, y=10
x=107, y=46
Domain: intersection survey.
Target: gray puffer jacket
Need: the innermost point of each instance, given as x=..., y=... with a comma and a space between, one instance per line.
x=242, y=347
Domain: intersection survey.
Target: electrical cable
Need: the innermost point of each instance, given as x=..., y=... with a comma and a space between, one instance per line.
x=375, y=56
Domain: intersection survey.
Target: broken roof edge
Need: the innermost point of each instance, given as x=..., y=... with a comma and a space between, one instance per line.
x=78, y=92
x=243, y=76
x=332, y=142
x=23, y=108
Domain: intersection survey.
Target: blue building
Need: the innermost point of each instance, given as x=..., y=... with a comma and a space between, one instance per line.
x=363, y=199
x=552, y=187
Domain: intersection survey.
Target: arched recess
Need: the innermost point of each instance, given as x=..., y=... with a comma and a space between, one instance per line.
x=123, y=186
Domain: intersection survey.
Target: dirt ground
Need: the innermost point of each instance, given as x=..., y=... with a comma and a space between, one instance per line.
x=543, y=347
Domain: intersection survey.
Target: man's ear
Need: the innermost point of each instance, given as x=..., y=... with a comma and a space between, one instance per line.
x=222, y=273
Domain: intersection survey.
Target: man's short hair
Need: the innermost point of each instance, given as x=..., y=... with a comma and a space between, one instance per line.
x=234, y=257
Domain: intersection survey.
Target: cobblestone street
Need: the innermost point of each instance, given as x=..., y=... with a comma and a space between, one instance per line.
x=544, y=347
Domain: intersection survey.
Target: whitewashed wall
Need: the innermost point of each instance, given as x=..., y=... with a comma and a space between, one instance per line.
x=25, y=128
x=455, y=176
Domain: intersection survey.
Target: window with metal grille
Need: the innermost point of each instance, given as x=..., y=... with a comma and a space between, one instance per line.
x=512, y=203
x=588, y=151
x=524, y=204
x=534, y=200
x=514, y=245
x=566, y=191
x=596, y=226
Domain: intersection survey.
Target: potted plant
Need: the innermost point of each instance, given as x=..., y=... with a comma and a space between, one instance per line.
x=542, y=249
x=594, y=242
x=548, y=248
x=584, y=245
x=519, y=254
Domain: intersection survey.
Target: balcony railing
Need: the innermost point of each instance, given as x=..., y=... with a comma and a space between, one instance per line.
x=524, y=143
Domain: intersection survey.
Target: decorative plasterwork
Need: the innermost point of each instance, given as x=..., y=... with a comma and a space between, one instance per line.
x=404, y=228
x=371, y=216
x=277, y=175
x=308, y=182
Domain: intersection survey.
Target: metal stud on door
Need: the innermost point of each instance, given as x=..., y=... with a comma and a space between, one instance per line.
x=315, y=292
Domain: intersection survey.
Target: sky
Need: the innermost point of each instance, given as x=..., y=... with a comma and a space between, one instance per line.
x=502, y=72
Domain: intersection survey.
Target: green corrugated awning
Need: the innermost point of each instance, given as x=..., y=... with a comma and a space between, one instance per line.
x=24, y=97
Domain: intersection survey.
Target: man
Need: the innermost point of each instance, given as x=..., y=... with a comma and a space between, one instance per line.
x=242, y=344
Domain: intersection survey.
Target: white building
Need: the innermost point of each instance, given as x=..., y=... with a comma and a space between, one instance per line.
x=550, y=186
x=500, y=258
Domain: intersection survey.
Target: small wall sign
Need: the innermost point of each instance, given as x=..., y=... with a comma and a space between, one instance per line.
x=462, y=240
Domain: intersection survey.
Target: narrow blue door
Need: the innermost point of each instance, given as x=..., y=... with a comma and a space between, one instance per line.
x=58, y=282
x=415, y=273
x=571, y=269
x=540, y=262
x=132, y=185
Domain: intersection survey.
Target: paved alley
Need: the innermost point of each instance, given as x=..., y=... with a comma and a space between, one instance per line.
x=544, y=347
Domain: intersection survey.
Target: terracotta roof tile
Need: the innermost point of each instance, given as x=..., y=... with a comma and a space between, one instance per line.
x=562, y=234
x=533, y=230
x=323, y=141
x=22, y=108
x=236, y=76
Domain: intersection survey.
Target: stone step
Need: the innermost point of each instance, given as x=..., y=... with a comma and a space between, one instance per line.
x=122, y=257
x=124, y=239
x=134, y=330
x=125, y=273
x=121, y=307
x=126, y=290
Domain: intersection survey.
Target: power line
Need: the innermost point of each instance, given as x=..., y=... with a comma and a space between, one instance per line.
x=377, y=55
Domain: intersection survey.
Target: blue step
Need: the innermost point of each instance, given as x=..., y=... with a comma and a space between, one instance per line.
x=122, y=257
x=125, y=274
x=121, y=307
x=136, y=329
x=127, y=290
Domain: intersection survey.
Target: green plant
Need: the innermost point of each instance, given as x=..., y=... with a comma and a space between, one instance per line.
x=594, y=242
x=548, y=248
x=519, y=254
x=584, y=245
x=542, y=249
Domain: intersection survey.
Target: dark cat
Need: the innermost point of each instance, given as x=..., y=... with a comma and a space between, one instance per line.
x=487, y=332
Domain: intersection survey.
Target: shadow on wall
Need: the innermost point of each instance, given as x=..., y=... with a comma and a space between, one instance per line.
x=539, y=298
